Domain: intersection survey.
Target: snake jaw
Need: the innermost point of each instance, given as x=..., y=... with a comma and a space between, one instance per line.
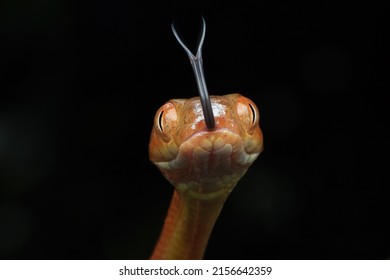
x=208, y=165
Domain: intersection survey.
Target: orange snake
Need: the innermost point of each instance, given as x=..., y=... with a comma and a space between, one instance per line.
x=202, y=160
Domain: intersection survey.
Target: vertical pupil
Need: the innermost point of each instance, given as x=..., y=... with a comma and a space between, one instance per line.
x=253, y=113
x=160, y=121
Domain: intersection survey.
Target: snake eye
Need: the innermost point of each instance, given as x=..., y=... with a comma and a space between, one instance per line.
x=247, y=112
x=253, y=111
x=165, y=120
x=160, y=125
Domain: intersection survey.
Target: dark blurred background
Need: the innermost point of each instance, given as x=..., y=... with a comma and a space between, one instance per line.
x=79, y=86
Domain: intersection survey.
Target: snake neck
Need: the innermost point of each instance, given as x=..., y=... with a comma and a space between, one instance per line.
x=187, y=227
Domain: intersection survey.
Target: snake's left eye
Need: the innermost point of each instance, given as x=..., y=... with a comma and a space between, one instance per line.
x=253, y=113
x=248, y=112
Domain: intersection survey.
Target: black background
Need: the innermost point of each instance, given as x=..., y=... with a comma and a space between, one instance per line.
x=79, y=86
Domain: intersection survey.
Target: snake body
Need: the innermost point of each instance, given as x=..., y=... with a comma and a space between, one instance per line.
x=204, y=165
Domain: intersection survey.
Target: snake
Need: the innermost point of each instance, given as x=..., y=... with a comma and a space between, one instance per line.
x=203, y=146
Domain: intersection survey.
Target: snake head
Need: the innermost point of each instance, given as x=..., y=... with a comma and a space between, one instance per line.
x=188, y=153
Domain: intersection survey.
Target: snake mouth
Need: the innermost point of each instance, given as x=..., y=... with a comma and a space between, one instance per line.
x=204, y=149
x=208, y=162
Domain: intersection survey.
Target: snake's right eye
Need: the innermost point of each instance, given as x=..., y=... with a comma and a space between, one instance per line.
x=166, y=119
x=159, y=119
